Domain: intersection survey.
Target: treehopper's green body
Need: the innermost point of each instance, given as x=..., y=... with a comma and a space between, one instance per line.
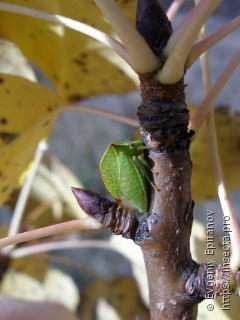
x=123, y=173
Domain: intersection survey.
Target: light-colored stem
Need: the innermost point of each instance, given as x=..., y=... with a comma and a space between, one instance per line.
x=24, y=194
x=199, y=116
x=202, y=46
x=231, y=223
x=72, y=24
x=223, y=194
x=201, y=12
x=173, y=9
x=60, y=245
x=82, y=108
x=98, y=112
x=180, y=43
x=64, y=227
x=144, y=59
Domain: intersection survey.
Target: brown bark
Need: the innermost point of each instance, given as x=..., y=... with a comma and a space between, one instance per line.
x=164, y=235
x=166, y=250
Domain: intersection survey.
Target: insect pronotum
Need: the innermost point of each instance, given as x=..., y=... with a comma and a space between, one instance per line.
x=123, y=171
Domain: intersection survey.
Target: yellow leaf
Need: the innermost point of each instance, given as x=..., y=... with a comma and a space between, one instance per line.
x=60, y=287
x=56, y=286
x=105, y=309
x=51, y=200
x=228, y=134
x=21, y=286
x=34, y=266
x=76, y=64
x=13, y=62
x=27, y=113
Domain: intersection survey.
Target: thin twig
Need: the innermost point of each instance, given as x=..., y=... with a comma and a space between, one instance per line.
x=201, y=12
x=180, y=43
x=64, y=227
x=199, y=116
x=24, y=193
x=72, y=263
x=173, y=9
x=223, y=194
x=79, y=108
x=103, y=113
x=60, y=245
x=205, y=44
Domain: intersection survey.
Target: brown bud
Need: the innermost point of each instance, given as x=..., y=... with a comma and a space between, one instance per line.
x=108, y=213
x=152, y=23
